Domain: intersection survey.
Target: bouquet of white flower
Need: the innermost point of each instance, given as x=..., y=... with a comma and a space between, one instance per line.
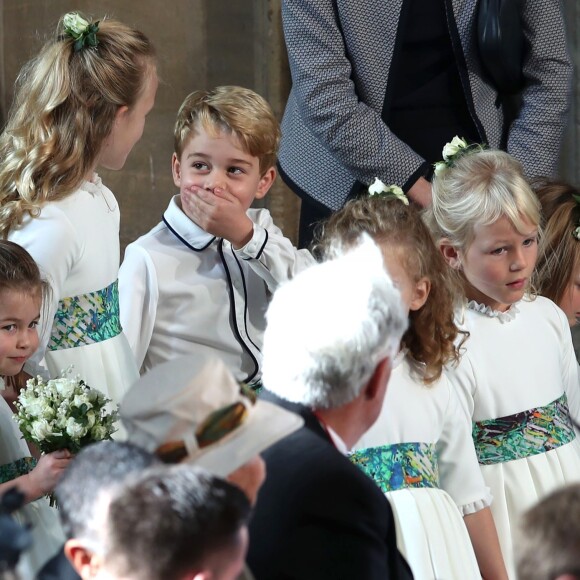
x=63, y=413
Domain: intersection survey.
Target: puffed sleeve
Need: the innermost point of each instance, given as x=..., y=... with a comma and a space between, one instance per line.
x=138, y=298
x=52, y=242
x=535, y=136
x=569, y=363
x=459, y=471
x=271, y=255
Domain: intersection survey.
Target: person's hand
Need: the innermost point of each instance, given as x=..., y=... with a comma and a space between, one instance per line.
x=49, y=469
x=219, y=213
x=420, y=192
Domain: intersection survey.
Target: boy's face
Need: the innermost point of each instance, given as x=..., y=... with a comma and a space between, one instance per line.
x=219, y=163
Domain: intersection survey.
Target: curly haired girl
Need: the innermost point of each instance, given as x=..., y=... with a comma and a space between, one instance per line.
x=419, y=452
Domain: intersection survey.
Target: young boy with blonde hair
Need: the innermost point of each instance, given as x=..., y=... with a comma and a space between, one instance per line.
x=199, y=281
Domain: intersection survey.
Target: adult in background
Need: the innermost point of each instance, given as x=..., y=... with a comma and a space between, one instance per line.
x=379, y=88
x=549, y=538
x=92, y=477
x=173, y=523
x=331, y=335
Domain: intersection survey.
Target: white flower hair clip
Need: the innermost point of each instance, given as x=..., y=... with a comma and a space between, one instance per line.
x=379, y=189
x=452, y=151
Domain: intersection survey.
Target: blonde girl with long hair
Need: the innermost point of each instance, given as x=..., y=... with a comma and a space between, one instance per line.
x=418, y=451
x=80, y=104
x=517, y=375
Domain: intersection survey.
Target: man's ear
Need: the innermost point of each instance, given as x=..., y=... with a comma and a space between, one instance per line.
x=420, y=294
x=378, y=380
x=450, y=253
x=85, y=562
x=265, y=183
x=176, y=170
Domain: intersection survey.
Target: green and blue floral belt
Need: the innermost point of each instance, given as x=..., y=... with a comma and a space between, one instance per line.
x=400, y=465
x=10, y=471
x=86, y=319
x=523, y=434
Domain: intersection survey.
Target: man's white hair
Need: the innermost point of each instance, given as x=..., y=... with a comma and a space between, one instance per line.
x=329, y=328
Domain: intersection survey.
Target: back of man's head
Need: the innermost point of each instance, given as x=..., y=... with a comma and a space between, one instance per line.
x=548, y=541
x=95, y=472
x=330, y=327
x=176, y=521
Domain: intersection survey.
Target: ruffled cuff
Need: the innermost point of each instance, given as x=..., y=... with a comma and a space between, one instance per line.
x=477, y=505
x=254, y=248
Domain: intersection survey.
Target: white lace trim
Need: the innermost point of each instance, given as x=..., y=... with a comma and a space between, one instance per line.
x=93, y=186
x=506, y=316
x=477, y=505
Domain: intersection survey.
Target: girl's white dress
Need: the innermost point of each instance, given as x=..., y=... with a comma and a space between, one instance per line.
x=75, y=242
x=47, y=535
x=419, y=452
x=517, y=378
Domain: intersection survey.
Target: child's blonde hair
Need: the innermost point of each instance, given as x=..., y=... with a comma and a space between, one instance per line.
x=480, y=188
x=236, y=110
x=64, y=108
x=559, y=253
x=398, y=228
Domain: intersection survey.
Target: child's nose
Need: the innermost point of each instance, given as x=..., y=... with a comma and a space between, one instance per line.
x=214, y=180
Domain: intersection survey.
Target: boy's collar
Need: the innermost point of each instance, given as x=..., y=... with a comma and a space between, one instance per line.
x=184, y=229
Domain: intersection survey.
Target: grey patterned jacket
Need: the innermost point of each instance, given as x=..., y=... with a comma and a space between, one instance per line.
x=333, y=137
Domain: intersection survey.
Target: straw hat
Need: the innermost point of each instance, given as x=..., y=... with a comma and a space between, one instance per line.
x=193, y=409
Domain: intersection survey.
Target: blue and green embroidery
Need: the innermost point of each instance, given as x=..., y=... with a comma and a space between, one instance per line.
x=86, y=319
x=523, y=434
x=10, y=471
x=399, y=465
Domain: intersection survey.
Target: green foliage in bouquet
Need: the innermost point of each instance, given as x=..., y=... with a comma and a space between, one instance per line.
x=63, y=413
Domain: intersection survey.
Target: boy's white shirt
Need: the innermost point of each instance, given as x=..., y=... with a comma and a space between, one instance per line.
x=177, y=284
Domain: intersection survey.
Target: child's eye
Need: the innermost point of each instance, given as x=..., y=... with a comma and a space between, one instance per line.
x=529, y=242
x=33, y=324
x=9, y=327
x=235, y=170
x=497, y=252
x=199, y=166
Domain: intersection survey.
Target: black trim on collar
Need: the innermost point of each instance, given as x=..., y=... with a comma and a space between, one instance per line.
x=233, y=311
x=184, y=241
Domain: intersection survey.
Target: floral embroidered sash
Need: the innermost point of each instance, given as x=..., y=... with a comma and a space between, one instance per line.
x=10, y=471
x=400, y=465
x=86, y=319
x=523, y=434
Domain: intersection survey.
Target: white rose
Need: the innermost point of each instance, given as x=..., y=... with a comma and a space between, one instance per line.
x=75, y=24
x=64, y=387
x=398, y=193
x=576, y=233
x=41, y=429
x=80, y=400
x=452, y=148
x=98, y=432
x=439, y=167
x=377, y=187
x=74, y=429
x=91, y=418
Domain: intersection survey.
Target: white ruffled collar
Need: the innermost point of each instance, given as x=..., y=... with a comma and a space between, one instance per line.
x=503, y=317
x=94, y=186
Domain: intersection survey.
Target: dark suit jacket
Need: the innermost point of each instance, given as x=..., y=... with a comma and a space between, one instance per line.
x=58, y=568
x=318, y=516
x=340, y=53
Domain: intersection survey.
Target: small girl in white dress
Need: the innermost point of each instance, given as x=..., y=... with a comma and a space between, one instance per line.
x=518, y=375
x=21, y=293
x=419, y=450
x=79, y=104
